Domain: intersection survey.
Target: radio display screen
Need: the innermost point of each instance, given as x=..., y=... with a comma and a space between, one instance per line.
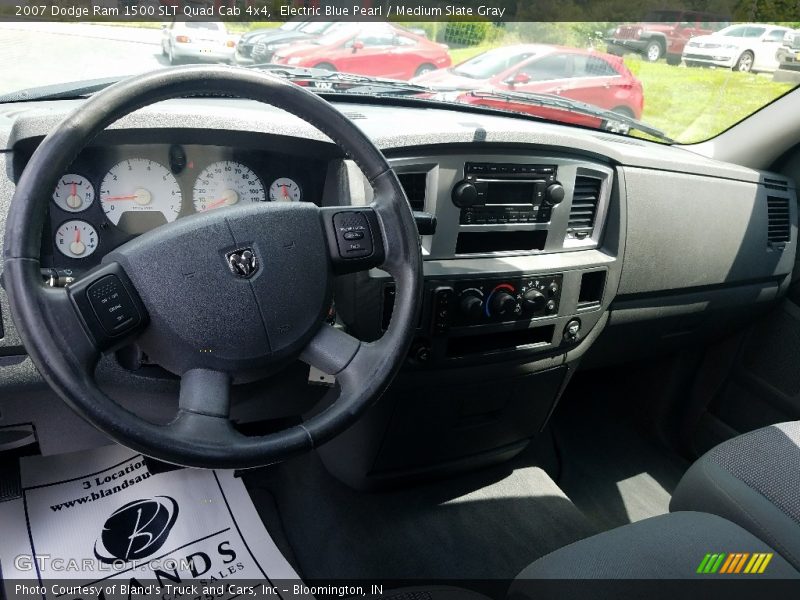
x=511, y=192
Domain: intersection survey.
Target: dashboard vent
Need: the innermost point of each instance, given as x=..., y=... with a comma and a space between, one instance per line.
x=776, y=184
x=584, y=206
x=414, y=185
x=779, y=229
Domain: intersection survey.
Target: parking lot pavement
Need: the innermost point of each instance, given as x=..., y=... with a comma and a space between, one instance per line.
x=34, y=54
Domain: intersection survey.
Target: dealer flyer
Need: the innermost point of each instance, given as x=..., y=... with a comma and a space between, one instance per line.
x=98, y=524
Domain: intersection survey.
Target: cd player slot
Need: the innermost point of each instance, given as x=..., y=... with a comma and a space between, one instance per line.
x=480, y=242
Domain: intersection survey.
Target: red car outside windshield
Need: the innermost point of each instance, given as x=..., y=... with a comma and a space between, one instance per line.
x=588, y=76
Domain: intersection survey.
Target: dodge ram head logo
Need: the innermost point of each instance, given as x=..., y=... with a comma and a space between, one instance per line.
x=136, y=530
x=242, y=262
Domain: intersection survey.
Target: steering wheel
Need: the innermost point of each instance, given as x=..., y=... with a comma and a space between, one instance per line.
x=218, y=297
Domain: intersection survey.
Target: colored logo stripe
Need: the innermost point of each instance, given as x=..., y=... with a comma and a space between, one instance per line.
x=734, y=563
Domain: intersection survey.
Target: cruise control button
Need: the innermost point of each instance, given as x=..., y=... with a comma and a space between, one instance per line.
x=352, y=234
x=112, y=304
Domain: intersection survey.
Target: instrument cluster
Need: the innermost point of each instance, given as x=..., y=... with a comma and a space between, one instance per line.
x=112, y=194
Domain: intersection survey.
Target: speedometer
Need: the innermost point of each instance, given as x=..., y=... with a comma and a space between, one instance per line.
x=139, y=194
x=226, y=183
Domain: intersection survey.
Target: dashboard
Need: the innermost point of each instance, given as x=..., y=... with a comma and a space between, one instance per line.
x=113, y=192
x=556, y=248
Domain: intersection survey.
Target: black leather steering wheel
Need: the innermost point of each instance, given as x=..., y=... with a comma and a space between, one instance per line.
x=217, y=297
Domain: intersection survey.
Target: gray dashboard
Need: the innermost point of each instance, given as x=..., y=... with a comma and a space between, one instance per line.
x=668, y=224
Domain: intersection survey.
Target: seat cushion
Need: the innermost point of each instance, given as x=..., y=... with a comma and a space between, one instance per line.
x=671, y=547
x=754, y=481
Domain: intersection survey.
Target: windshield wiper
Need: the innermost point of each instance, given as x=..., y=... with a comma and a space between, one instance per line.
x=322, y=80
x=60, y=91
x=577, y=107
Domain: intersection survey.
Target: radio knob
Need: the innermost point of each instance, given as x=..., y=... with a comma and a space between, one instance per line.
x=471, y=305
x=533, y=300
x=465, y=194
x=554, y=193
x=503, y=304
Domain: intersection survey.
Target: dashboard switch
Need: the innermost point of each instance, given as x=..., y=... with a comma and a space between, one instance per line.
x=572, y=330
x=352, y=234
x=112, y=305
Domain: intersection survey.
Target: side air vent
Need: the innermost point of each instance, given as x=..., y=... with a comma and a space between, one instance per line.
x=414, y=185
x=583, y=211
x=779, y=230
x=776, y=184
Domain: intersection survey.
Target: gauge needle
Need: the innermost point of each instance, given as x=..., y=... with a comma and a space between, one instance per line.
x=113, y=198
x=216, y=203
x=77, y=247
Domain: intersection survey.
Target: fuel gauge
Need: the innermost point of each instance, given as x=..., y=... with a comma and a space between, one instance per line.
x=76, y=239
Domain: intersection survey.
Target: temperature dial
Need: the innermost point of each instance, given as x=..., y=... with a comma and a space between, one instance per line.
x=76, y=239
x=285, y=190
x=502, y=302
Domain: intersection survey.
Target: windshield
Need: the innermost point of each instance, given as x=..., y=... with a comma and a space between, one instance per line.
x=610, y=76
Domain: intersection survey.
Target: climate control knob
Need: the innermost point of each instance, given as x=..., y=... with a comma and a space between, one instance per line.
x=533, y=300
x=471, y=305
x=465, y=194
x=502, y=304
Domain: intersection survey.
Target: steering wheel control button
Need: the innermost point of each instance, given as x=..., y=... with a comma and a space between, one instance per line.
x=353, y=235
x=112, y=304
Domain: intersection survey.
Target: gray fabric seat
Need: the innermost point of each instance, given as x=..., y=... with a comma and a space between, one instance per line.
x=754, y=481
x=667, y=547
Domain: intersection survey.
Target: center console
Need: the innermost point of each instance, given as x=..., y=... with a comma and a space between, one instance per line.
x=518, y=276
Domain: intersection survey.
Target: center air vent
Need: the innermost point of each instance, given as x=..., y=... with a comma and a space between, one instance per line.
x=776, y=184
x=414, y=185
x=583, y=211
x=779, y=230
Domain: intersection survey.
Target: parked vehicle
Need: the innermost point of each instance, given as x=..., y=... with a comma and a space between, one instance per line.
x=377, y=49
x=745, y=47
x=663, y=33
x=265, y=45
x=592, y=77
x=198, y=41
x=244, y=49
x=788, y=57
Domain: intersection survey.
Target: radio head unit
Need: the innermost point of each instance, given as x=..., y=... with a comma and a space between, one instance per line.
x=502, y=193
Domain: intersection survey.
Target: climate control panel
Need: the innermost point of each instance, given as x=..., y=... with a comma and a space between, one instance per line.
x=480, y=302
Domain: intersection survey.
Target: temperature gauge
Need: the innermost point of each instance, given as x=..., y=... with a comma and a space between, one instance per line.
x=76, y=239
x=73, y=193
x=284, y=190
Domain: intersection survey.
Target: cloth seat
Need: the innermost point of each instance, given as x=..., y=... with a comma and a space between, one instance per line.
x=618, y=563
x=754, y=481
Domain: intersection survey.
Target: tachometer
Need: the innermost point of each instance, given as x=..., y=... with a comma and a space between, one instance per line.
x=226, y=183
x=73, y=193
x=76, y=239
x=285, y=190
x=139, y=194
